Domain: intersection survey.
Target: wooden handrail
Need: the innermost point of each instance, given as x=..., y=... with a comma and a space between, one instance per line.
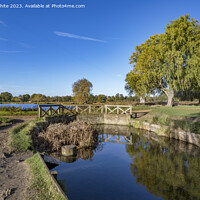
x=54, y=109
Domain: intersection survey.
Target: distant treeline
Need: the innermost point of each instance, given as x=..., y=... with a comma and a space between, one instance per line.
x=34, y=98
x=8, y=97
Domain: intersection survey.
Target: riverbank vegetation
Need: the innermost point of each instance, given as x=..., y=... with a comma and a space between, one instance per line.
x=186, y=118
x=11, y=110
x=42, y=184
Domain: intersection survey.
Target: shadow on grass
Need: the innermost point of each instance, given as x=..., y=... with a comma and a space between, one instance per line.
x=138, y=114
x=10, y=124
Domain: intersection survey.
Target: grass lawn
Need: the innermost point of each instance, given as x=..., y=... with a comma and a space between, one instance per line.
x=5, y=121
x=10, y=113
x=178, y=111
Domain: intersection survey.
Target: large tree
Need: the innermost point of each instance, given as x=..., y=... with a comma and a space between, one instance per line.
x=81, y=90
x=38, y=98
x=169, y=62
x=6, y=96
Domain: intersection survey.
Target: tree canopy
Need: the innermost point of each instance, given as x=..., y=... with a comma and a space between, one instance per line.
x=81, y=90
x=168, y=62
x=5, y=97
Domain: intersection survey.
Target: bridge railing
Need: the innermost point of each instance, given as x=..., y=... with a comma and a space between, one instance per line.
x=118, y=109
x=56, y=109
x=52, y=110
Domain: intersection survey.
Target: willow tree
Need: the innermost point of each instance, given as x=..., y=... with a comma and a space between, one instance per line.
x=81, y=90
x=169, y=62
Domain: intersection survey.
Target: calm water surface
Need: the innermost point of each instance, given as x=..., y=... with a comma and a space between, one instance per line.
x=131, y=164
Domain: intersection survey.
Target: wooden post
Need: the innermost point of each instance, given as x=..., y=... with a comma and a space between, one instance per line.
x=89, y=108
x=39, y=111
x=102, y=107
x=76, y=108
x=118, y=110
x=131, y=110
x=50, y=110
x=106, y=109
x=59, y=107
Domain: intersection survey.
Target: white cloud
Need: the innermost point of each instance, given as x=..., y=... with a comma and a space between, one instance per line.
x=69, y=35
x=2, y=23
x=2, y=51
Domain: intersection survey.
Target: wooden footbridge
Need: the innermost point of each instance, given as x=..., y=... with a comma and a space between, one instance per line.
x=57, y=109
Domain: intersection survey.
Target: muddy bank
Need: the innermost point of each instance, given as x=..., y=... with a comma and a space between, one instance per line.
x=14, y=173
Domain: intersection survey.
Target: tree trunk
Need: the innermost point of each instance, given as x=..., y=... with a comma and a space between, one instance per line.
x=170, y=97
x=142, y=99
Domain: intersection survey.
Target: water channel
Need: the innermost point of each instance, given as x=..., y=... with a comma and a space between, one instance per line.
x=131, y=164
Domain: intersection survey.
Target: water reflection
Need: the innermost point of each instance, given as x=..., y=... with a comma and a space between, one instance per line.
x=169, y=169
x=135, y=164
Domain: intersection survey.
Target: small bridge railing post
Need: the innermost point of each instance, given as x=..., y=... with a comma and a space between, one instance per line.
x=59, y=108
x=76, y=108
x=118, y=110
x=50, y=110
x=106, y=109
x=39, y=111
x=90, y=108
x=131, y=110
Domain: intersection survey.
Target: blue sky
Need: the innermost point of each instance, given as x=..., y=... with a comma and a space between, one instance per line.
x=47, y=50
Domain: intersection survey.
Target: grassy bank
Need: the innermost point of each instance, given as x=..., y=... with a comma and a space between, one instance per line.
x=21, y=137
x=42, y=184
x=5, y=121
x=186, y=118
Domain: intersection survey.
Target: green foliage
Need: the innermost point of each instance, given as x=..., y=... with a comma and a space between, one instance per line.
x=161, y=120
x=5, y=121
x=38, y=98
x=41, y=181
x=81, y=90
x=10, y=108
x=5, y=97
x=167, y=62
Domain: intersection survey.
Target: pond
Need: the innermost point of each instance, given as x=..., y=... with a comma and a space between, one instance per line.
x=131, y=164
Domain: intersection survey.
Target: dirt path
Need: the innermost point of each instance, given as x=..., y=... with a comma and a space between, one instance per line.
x=14, y=173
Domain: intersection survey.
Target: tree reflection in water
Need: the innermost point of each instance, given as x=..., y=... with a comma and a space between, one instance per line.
x=164, y=170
